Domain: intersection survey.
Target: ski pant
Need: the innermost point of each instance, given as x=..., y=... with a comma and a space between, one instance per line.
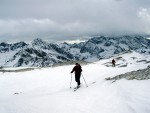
x=77, y=78
x=113, y=64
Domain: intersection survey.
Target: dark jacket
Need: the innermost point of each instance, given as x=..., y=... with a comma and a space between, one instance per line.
x=77, y=69
x=113, y=61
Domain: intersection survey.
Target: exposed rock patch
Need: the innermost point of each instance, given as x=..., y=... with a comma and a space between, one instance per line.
x=141, y=74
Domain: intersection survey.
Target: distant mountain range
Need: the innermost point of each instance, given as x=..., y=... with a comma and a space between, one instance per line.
x=42, y=54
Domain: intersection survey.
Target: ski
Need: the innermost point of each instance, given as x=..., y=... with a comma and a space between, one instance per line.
x=76, y=88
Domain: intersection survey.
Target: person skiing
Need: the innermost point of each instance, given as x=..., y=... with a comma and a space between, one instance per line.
x=113, y=62
x=77, y=69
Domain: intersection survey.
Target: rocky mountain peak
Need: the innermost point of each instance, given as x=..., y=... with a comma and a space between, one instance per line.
x=41, y=53
x=4, y=47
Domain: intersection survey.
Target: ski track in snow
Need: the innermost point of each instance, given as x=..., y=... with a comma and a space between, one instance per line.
x=48, y=90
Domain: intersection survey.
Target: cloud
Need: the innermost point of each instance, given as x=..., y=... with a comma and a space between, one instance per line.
x=42, y=28
x=72, y=19
x=144, y=15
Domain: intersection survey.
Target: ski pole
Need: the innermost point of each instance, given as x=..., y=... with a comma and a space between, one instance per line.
x=84, y=81
x=71, y=81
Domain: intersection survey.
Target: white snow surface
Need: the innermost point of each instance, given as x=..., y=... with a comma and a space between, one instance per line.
x=47, y=90
x=6, y=56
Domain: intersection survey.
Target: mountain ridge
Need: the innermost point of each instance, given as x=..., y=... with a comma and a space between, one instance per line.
x=40, y=53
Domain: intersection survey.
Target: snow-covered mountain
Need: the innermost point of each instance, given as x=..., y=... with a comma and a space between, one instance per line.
x=47, y=90
x=42, y=54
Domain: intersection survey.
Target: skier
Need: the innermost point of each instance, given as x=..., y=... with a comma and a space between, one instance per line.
x=113, y=62
x=77, y=69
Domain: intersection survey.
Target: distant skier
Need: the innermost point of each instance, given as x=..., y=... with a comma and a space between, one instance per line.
x=77, y=69
x=113, y=63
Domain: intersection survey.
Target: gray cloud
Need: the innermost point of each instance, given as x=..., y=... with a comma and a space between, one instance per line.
x=72, y=19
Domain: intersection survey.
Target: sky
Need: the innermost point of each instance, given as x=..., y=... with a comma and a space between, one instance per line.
x=24, y=20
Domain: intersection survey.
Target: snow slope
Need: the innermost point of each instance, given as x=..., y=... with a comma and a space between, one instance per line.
x=47, y=90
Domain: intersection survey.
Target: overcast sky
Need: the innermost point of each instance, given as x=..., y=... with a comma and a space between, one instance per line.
x=72, y=19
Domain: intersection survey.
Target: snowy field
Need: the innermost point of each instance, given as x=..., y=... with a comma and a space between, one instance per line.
x=47, y=90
